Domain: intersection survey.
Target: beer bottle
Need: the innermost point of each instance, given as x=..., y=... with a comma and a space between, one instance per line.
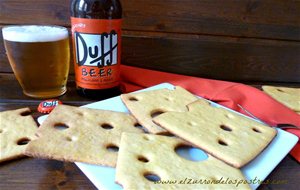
x=96, y=35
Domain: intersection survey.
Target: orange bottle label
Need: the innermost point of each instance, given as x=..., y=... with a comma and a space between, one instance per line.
x=97, y=52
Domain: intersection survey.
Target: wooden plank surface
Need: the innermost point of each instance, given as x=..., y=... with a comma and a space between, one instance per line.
x=37, y=174
x=235, y=59
x=277, y=19
x=225, y=58
x=237, y=40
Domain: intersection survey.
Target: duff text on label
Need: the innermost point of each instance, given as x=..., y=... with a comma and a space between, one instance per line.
x=96, y=50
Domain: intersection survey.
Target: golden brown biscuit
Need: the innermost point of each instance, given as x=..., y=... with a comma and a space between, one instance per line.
x=224, y=134
x=81, y=135
x=150, y=162
x=287, y=96
x=144, y=106
x=17, y=128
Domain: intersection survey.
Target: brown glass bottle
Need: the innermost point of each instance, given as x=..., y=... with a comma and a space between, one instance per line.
x=108, y=11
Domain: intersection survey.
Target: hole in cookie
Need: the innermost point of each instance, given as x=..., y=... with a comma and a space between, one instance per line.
x=25, y=113
x=190, y=153
x=133, y=99
x=139, y=126
x=256, y=130
x=23, y=141
x=280, y=90
x=225, y=128
x=112, y=148
x=61, y=126
x=106, y=126
x=143, y=159
x=168, y=134
x=156, y=113
x=146, y=138
x=1, y=131
x=151, y=177
x=223, y=143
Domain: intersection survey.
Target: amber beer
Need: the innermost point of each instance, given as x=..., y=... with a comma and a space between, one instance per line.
x=39, y=57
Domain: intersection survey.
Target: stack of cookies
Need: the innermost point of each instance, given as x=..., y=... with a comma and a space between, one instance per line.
x=230, y=140
x=142, y=145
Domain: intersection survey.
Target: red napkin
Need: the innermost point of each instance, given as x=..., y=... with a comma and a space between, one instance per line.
x=229, y=94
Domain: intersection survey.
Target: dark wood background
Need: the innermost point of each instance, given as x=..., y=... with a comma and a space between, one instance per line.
x=237, y=40
x=251, y=41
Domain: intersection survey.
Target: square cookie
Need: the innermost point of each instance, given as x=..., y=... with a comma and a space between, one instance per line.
x=82, y=135
x=149, y=161
x=144, y=106
x=17, y=128
x=226, y=135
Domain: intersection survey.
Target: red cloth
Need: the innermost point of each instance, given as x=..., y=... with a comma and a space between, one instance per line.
x=228, y=94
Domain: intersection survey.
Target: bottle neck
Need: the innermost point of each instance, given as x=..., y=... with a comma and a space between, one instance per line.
x=97, y=9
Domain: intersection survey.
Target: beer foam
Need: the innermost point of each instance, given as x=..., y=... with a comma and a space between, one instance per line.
x=34, y=33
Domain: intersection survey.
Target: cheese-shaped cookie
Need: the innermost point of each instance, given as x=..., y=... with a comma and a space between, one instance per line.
x=150, y=162
x=144, y=106
x=287, y=96
x=224, y=134
x=17, y=128
x=82, y=135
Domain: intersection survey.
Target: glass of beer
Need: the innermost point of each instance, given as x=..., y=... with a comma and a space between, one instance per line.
x=39, y=57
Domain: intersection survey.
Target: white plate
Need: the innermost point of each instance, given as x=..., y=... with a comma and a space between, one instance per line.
x=103, y=177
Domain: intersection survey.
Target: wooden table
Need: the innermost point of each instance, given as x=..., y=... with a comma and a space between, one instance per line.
x=36, y=174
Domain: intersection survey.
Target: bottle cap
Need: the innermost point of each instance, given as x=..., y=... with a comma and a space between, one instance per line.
x=48, y=105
